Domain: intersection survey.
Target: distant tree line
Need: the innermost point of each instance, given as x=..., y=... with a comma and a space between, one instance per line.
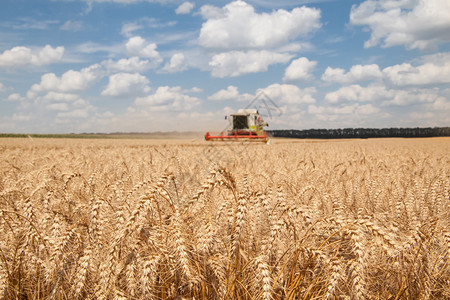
x=364, y=133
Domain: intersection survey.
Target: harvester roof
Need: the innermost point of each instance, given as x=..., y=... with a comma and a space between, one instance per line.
x=246, y=112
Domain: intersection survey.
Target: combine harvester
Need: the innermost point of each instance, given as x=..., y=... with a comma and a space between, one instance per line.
x=246, y=124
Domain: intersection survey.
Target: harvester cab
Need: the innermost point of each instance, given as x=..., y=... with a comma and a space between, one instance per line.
x=246, y=124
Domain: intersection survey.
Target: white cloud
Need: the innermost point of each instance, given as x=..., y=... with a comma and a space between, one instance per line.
x=156, y=119
x=343, y=110
x=129, y=28
x=124, y=84
x=22, y=56
x=422, y=117
x=69, y=107
x=129, y=65
x=231, y=93
x=72, y=26
x=295, y=47
x=357, y=73
x=442, y=104
x=289, y=94
x=236, y=63
x=137, y=46
x=50, y=110
x=314, y=110
x=167, y=99
x=58, y=107
x=404, y=97
x=90, y=47
x=195, y=89
x=358, y=93
x=330, y=112
x=211, y=12
x=15, y=97
x=48, y=55
x=177, y=64
x=70, y=81
x=434, y=70
x=27, y=23
x=21, y=117
x=300, y=70
x=185, y=8
x=238, y=26
x=58, y=100
x=367, y=109
x=2, y=87
x=383, y=95
x=60, y=97
x=80, y=113
x=142, y=23
x=416, y=24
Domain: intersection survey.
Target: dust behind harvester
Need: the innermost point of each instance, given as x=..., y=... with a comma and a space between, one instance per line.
x=246, y=124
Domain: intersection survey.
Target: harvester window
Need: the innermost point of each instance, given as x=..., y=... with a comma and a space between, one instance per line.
x=240, y=122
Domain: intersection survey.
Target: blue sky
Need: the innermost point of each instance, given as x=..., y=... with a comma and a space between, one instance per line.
x=143, y=65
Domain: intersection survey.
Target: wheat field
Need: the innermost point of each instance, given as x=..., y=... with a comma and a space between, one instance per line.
x=142, y=219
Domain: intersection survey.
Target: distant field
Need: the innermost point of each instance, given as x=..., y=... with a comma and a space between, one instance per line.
x=155, y=135
x=184, y=218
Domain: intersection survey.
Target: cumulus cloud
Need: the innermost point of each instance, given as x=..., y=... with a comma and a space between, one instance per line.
x=428, y=70
x=129, y=65
x=77, y=108
x=358, y=93
x=300, y=70
x=22, y=56
x=70, y=81
x=21, y=117
x=365, y=109
x=434, y=70
x=185, y=8
x=54, y=108
x=58, y=106
x=15, y=97
x=442, y=104
x=177, y=63
x=79, y=113
x=209, y=12
x=416, y=24
x=60, y=97
x=356, y=73
x=238, y=26
x=406, y=97
x=230, y=93
x=167, y=98
x=124, y=84
x=289, y=94
x=382, y=95
x=139, y=47
x=236, y=63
